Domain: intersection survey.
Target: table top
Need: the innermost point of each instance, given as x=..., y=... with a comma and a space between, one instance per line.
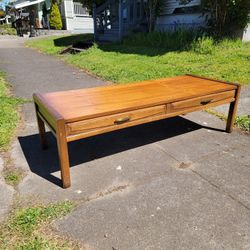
x=74, y=105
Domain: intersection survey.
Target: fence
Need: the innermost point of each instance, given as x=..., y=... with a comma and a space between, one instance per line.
x=79, y=10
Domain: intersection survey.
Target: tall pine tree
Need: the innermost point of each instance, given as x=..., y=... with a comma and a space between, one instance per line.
x=55, y=20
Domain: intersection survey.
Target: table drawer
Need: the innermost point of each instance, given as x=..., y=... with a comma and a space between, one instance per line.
x=115, y=120
x=202, y=101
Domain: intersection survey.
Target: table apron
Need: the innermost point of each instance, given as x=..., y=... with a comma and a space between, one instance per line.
x=169, y=113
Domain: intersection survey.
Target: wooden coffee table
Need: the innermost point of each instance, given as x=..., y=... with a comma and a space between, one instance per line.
x=76, y=114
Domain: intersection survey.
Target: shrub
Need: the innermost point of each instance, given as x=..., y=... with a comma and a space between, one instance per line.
x=2, y=13
x=227, y=18
x=231, y=44
x=6, y=29
x=203, y=45
x=177, y=40
x=182, y=40
x=55, y=20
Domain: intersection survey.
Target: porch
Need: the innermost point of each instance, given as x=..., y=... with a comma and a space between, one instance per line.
x=76, y=17
x=115, y=19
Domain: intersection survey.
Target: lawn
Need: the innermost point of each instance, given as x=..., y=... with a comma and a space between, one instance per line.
x=29, y=228
x=142, y=57
x=9, y=116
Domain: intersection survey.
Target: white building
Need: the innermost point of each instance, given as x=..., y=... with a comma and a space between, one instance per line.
x=75, y=17
x=114, y=19
x=246, y=35
x=176, y=15
x=25, y=6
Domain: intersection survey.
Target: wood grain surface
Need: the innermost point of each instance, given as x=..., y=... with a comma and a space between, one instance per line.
x=75, y=105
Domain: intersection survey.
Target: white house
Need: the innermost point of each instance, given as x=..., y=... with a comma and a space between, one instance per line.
x=114, y=19
x=246, y=34
x=25, y=6
x=176, y=15
x=75, y=17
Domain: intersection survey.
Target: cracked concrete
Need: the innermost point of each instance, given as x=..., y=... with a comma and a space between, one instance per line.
x=175, y=211
x=6, y=194
x=132, y=192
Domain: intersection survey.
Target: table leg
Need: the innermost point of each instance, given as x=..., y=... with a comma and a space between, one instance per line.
x=63, y=154
x=42, y=132
x=232, y=112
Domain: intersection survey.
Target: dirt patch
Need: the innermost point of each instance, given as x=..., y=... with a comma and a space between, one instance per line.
x=185, y=165
x=77, y=47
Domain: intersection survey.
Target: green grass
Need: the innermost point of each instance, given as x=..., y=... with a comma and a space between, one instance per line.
x=12, y=177
x=28, y=228
x=6, y=29
x=8, y=113
x=54, y=44
x=243, y=122
x=158, y=55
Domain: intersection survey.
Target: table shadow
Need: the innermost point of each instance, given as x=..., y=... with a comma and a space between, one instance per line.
x=45, y=162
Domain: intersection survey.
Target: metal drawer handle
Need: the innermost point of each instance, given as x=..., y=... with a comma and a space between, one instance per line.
x=122, y=120
x=205, y=102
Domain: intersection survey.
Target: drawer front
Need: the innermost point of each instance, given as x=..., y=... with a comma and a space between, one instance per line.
x=202, y=101
x=115, y=120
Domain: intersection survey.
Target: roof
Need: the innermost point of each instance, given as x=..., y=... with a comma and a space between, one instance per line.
x=22, y=4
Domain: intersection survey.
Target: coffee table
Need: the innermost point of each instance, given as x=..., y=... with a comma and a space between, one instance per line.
x=77, y=114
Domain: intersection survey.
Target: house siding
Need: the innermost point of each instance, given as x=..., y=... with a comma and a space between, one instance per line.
x=73, y=22
x=246, y=34
x=170, y=21
x=171, y=5
x=81, y=24
x=174, y=22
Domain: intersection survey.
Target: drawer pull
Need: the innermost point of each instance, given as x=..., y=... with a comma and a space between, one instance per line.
x=122, y=120
x=205, y=102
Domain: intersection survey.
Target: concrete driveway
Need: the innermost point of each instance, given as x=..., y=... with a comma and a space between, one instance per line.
x=181, y=183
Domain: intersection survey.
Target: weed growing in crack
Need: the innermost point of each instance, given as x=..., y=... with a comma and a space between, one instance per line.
x=13, y=177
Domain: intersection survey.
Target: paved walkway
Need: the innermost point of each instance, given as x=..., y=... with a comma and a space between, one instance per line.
x=181, y=183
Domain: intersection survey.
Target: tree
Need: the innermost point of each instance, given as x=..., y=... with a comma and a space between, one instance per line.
x=227, y=16
x=55, y=20
x=153, y=9
x=2, y=13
